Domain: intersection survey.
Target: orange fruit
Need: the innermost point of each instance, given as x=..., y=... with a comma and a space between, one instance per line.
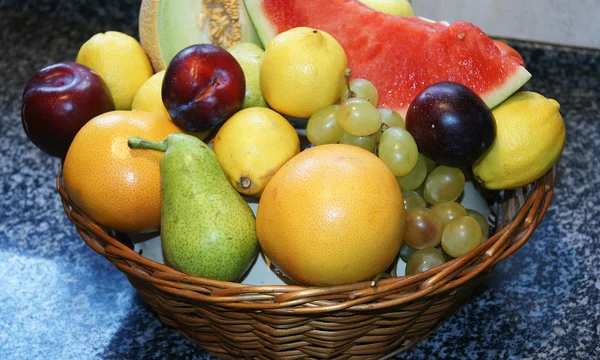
x=333, y=214
x=116, y=186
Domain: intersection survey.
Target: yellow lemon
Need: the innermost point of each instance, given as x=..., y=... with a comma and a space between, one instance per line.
x=252, y=145
x=530, y=137
x=303, y=70
x=148, y=97
x=121, y=62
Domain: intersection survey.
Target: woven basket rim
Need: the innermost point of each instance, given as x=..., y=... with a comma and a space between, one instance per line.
x=298, y=299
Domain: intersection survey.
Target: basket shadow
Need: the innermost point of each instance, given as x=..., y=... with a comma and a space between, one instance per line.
x=143, y=336
x=488, y=322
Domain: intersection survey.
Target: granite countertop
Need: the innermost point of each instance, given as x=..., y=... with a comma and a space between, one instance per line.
x=61, y=300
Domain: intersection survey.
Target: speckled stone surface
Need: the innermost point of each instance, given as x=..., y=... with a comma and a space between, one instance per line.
x=61, y=300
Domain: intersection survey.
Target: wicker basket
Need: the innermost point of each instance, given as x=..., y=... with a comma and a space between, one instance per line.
x=231, y=320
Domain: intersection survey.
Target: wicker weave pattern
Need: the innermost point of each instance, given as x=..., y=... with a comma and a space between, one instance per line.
x=359, y=320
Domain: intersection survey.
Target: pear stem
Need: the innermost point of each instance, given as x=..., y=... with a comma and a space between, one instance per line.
x=135, y=142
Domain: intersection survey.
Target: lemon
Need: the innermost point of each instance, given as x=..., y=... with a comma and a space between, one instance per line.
x=148, y=97
x=121, y=62
x=530, y=137
x=303, y=70
x=252, y=145
x=393, y=7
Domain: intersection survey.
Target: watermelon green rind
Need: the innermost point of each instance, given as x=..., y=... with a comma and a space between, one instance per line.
x=502, y=92
x=264, y=29
x=400, y=55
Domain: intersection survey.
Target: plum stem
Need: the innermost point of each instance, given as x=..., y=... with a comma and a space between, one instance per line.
x=136, y=142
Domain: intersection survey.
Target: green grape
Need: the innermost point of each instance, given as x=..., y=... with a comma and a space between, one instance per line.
x=415, y=177
x=366, y=142
x=447, y=211
x=323, y=128
x=406, y=251
x=460, y=236
x=412, y=199
x=443, y=184
x=398, y=150
x=441, y=250
x=483, y=223
x=358, y=117
x=419, y=190
x=430, y=164
x=364, y=89
x=422, y=228
x=423, y=260
x=378, y=134
x=391, y=118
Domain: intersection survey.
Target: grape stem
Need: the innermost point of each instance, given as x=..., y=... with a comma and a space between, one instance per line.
x=350, y=93
x=384, y=127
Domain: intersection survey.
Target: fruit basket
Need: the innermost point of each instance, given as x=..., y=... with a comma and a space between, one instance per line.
x=359, y=320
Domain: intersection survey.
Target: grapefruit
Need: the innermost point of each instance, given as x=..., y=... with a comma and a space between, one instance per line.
x=331, y=215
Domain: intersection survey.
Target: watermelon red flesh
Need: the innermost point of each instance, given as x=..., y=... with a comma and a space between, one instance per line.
x=401, y=56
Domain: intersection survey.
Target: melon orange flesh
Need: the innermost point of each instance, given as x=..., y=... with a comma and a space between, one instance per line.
x=400, y=55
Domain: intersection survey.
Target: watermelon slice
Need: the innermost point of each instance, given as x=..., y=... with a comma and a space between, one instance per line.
x=400, y=55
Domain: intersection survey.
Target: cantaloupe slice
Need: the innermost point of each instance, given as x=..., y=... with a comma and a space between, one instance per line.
x=168, y=26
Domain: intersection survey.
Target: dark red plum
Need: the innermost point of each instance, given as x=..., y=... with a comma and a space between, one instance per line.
x=203, y=86
x=58, y=100
x=451, y=124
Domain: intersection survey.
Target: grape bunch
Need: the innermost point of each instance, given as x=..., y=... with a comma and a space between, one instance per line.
x=438, y=227
x=357, y=121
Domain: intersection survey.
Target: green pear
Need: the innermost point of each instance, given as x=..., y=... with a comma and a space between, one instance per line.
x=207, y=229
x=250, y=56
